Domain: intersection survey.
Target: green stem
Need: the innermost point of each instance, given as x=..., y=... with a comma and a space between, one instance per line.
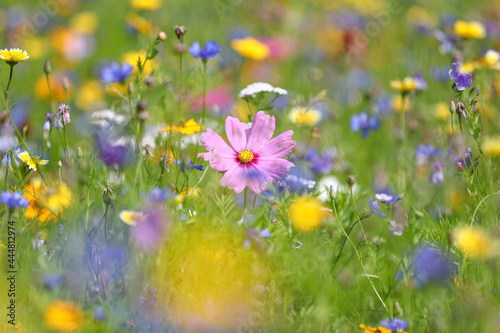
x=204, y=102
x=8, y=87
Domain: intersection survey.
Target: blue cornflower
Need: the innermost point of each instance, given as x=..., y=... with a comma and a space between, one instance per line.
x=116, y=72
x=190, y=166
x=431, y=265
x=437, y=176
x=361, y=122
x=375, y=207
x=52, y=281
x=461, y=161
x=7, y=160
x=462, y=80
x=386, y=196
x=383, y=105
x=12, y=200
x=160, y=195
x=419, y=79
x=395, y=324
x=424, y=153
x=210, y=50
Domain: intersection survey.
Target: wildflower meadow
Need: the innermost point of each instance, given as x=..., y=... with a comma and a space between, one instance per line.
x=249, y=166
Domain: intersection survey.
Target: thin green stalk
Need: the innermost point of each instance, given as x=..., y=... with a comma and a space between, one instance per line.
x=204, y=102
x=8, y=87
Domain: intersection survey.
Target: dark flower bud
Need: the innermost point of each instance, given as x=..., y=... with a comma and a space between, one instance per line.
x=461, y=110
x=180, y=48
x=351, y=181
x=142, y=106
x=4, y=117
x=108, y=196
x=162, y=36
x=149, y=81
x=143, y=115
x=47, y=67
x=180, y=30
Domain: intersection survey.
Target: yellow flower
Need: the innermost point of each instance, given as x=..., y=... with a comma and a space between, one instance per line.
x=63, y=316
x=31, y=161
x=85, y=22
x=304, y=116
x=397, y=104
x=132, y=57
x=474, y=243
x=146, y=4
x=140, y=24
x=209, y=278
x=90, y=95
x=491, y=60
x=251, y=48
x=468, y=67
x=46, y=203
x=491, y=146
x=470, y=30
x=307, y=213
x=37, y=47
x=13, y=56
x=442, y=111
x=406, y=85
x=368, y=329
x=130, y=217
x=189, y=128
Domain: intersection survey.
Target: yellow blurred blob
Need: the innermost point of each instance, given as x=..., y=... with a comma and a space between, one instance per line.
x=491, y=146
x=46, y=203
x=330, y=40
x=56, y=83
x=397, y=104
x=63, y=316
x=210, y=278
x=442, y=111
x=408, y=84
x=90, y=95
x=304, y=116
x=251, y=48
x=37, y=47
x=307, y=214
x=469, y=30
x=469, y=67
x=132, y=57
x=474, y=243
x=130, y=217
x=146, y=4
x=85, y=23
x=368, y=329
x=421, y=17
x=140, y=24
x=189, y=128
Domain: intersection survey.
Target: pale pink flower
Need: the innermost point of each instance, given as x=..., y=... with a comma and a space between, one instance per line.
x=251, y=158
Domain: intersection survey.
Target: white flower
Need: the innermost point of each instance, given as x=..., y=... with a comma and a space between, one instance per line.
x=258, y=87
x=105, y=118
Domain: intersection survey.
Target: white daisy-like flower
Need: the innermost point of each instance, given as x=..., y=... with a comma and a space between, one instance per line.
x=258, y=87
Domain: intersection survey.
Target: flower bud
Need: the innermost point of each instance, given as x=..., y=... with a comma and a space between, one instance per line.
x=108, y=196
x=452, y=107
x=331, y=193
x=47, y=67
x=162, y=36
x=149, y=81
x=65, y=83
x=180, y=30
x=461, y=110
x=59, y=164
x=180, y=48
x=351, y=181
x=130, y=88
x=79, y=153
x=315, y=132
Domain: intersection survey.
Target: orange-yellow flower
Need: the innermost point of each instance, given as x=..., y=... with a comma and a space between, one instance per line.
x=189, y=128
x=46, y=204
x=251, y=48
x=470, y=30
x=63, y=316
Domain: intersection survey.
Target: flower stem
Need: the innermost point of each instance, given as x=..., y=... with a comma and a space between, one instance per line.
x=8, y=87
x=204, y=102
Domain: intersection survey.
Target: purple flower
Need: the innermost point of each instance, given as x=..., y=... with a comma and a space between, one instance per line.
x=461, y=162
x=462, y=80
x=255, y=236
x=375, y=207
x=424, y=153
x=440, y=74
x=148, y=233
x=431, y=265
x=383, y=104
x=210, y=50
x=386, y=196
x=395, y=324
x=159, y=195
x=116, y=72
x=437, y=176
x=361, y=122
x=13, y=200
x=63, y=113
x=448, y=41
x=421, y=83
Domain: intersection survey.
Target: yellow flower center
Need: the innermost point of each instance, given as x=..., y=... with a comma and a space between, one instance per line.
x=245, y=156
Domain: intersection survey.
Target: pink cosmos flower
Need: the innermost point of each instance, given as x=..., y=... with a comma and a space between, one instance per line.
x=249, y=159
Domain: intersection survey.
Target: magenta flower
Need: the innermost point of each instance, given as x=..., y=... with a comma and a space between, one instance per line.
x=251, y=158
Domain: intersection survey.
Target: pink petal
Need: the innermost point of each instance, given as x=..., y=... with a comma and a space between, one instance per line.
x=275, y=168
x=258, y=179
x=262, y=130
x=223, y=162
x=213, y=142
x=235, y=178
x=236, y=132
x=279, y=147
